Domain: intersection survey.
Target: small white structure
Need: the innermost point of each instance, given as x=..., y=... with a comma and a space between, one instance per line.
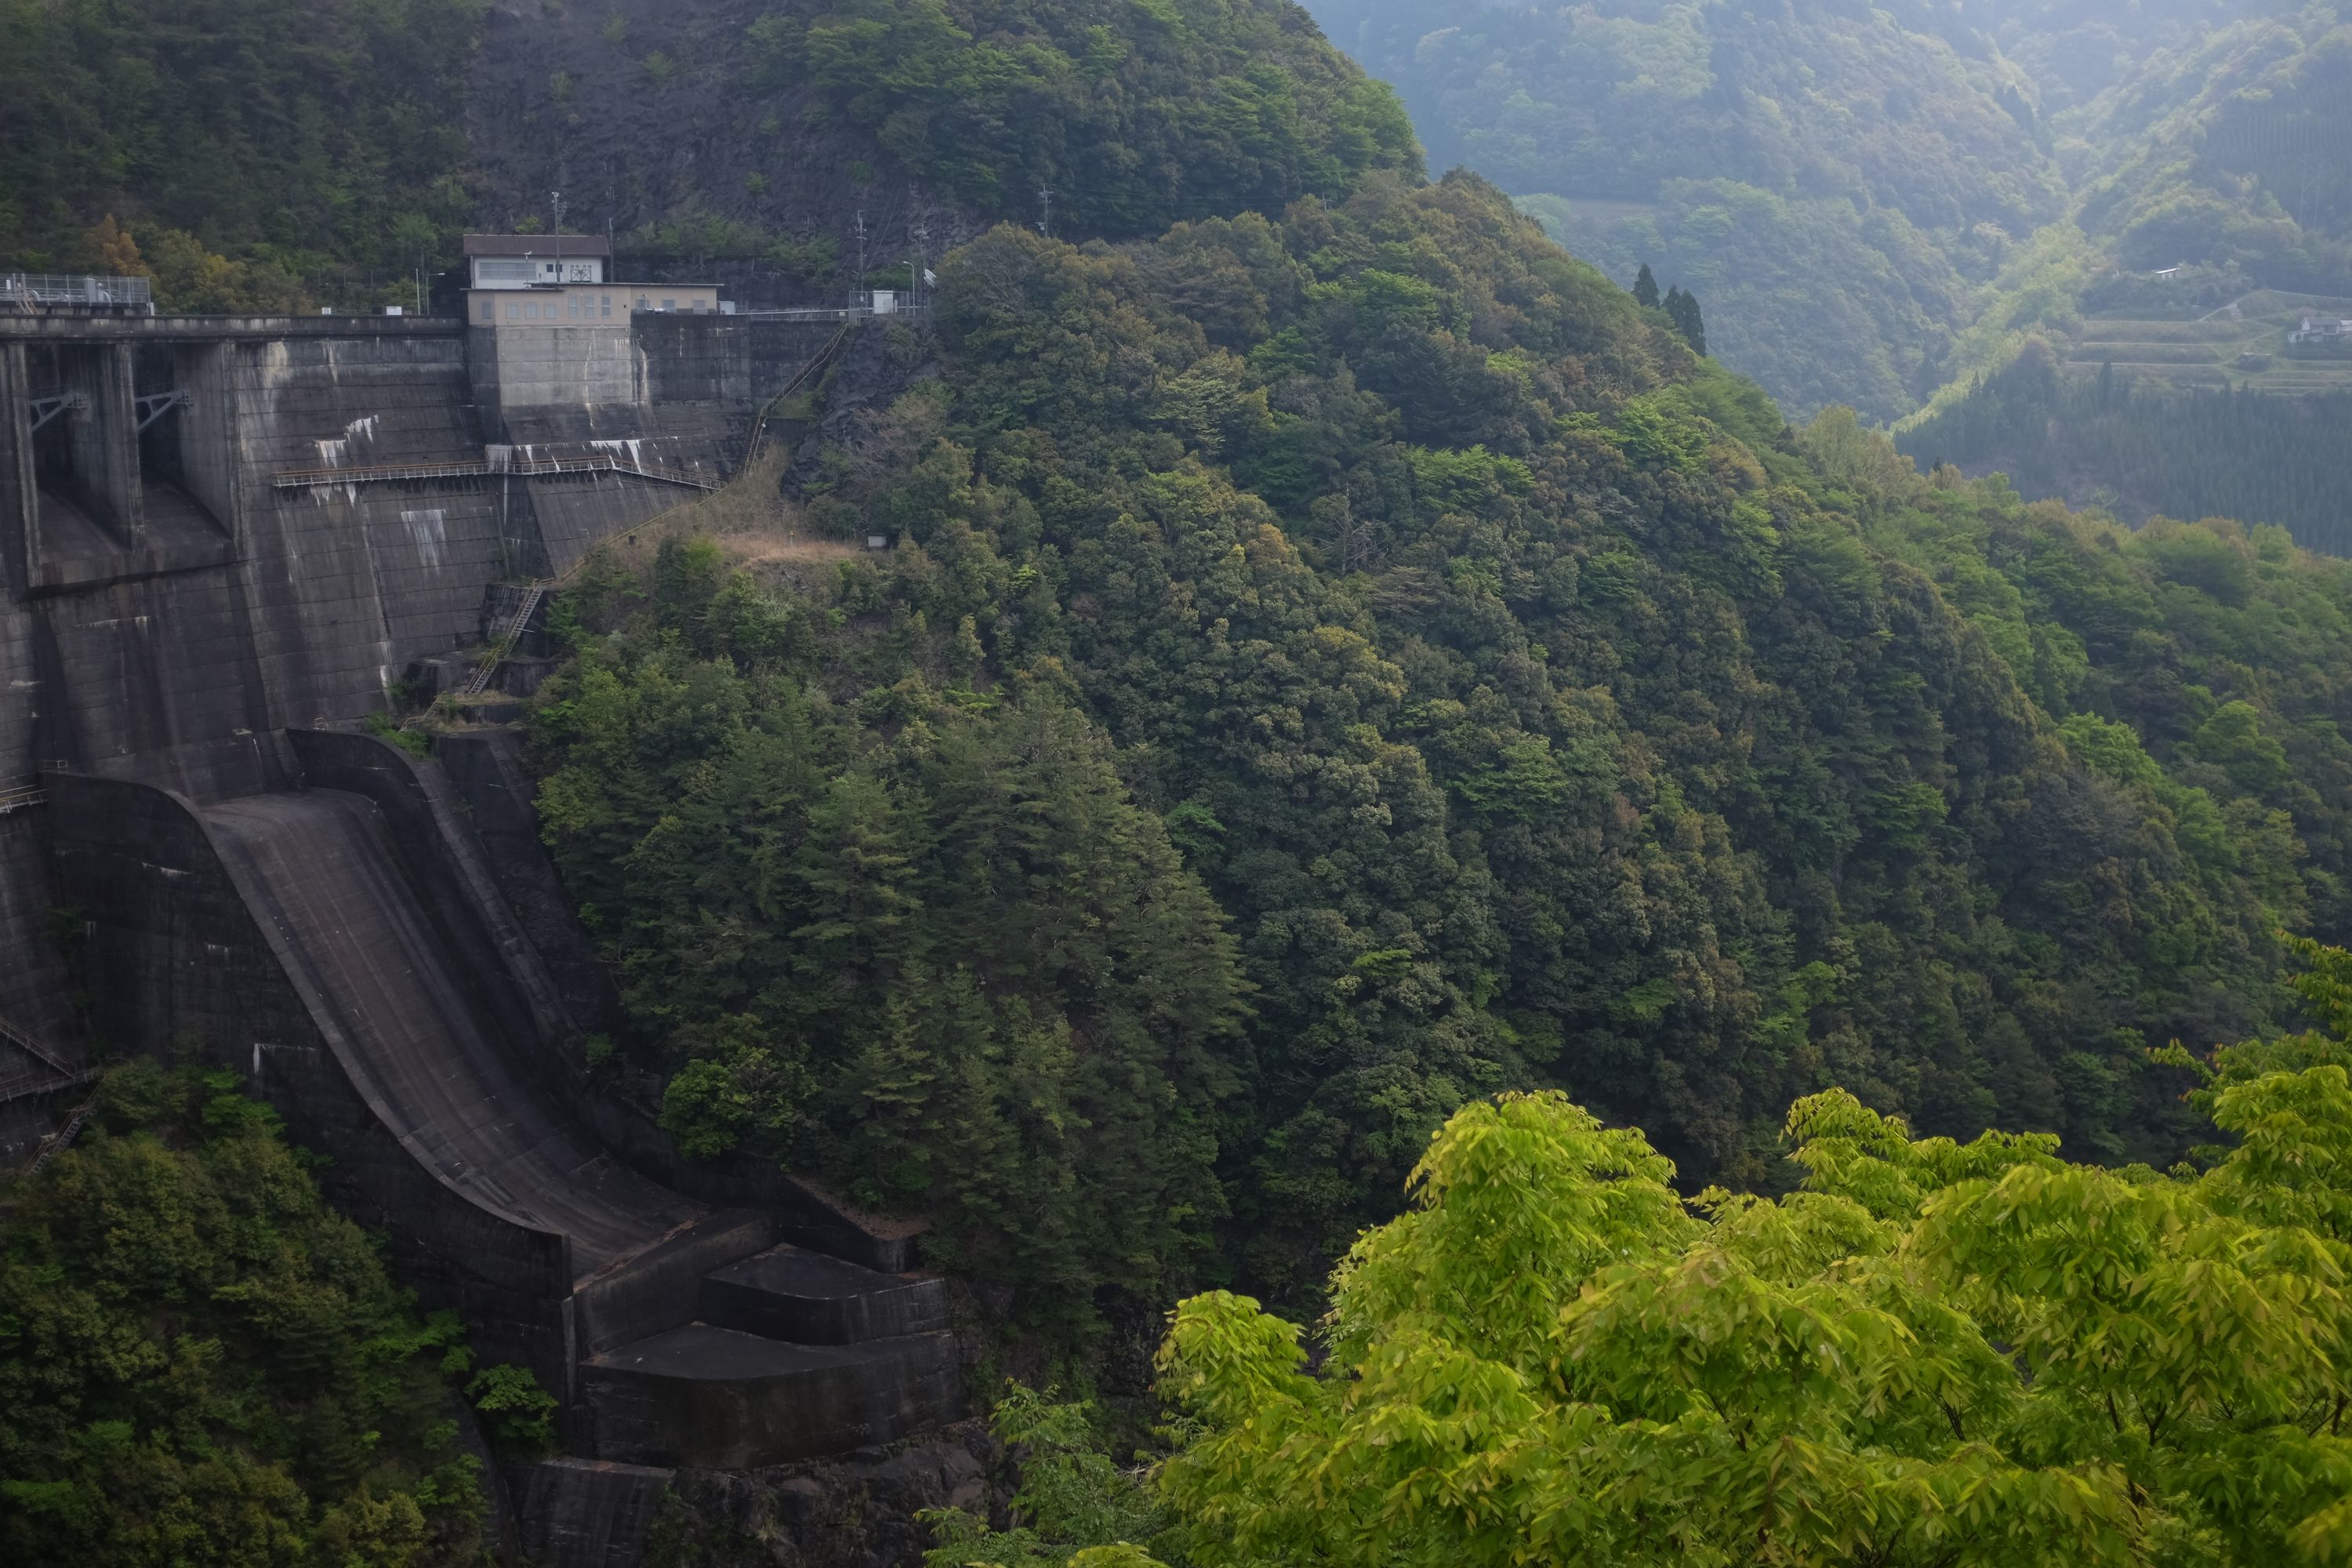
x=535, y=260
x=2321, y=330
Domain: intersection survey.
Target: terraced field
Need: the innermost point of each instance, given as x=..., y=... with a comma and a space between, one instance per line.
x=2243, y=345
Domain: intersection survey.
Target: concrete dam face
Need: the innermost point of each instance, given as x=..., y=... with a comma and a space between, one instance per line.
x=221, y=541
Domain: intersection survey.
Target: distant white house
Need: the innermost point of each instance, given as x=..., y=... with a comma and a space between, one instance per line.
x=2322, y=330
x=534, y=260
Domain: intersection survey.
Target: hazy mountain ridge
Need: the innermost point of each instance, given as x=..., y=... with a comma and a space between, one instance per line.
x=2083, y=174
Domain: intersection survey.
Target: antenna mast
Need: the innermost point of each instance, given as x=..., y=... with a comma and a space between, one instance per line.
x=859, y=230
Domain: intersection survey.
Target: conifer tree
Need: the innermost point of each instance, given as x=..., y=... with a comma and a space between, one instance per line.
x=1645, y=288
x=1682, y=307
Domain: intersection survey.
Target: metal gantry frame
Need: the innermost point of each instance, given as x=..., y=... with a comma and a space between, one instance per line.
x=47, y=408
x=154, y=406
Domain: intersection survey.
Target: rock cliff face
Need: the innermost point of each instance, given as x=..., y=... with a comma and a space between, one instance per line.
x=855, y=1511
x=632, y=110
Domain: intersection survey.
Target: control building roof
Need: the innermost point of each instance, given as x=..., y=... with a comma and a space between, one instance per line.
x=543, y=246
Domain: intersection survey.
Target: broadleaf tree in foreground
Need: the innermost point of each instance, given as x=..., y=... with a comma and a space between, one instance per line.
x=1931, y=1352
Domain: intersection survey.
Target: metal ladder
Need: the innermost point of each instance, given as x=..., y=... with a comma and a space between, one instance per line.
x=23, y=1040
x=818, y=363
x=64, y=1136
x=488, y=670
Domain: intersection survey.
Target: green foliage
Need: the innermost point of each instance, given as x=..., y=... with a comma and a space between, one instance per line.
x=1135, y=117
x=905, y=932
x=1932, y=1353
x=1836, y=180
x=2196, y=664
x=522, y=1413
x=1682, y=309
x=201, y=1362
x=1823, y=300
x=259, y=151
x=2237, y=152
x=1075, y=1507
x=384, y=727
x=2257, y=455
x=1535, y=706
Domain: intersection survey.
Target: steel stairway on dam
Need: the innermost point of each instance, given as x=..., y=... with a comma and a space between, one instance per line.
x=346, y=950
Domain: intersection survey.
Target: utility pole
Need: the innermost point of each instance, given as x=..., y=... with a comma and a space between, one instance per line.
x=1045, y=212
x=858, y=229
x=556, y=199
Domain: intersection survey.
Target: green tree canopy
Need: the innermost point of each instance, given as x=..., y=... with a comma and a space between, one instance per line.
x=200, y=1363
x=1930, y=1352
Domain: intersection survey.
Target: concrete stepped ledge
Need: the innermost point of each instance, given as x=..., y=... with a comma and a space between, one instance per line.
x=723, y=1399
x=649, y=1291
x=786, y=1293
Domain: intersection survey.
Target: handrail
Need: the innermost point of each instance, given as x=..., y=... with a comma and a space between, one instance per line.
x=19, y=798
x=17, y=1037
x=820, y=361
x=831, y=313
x=483, y=468
x=62, y=1138
x=483, y=674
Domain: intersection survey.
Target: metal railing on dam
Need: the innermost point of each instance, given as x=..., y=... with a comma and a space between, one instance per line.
x=484, y=468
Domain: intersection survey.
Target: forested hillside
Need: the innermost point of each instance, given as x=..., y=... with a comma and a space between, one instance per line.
x=257, y=150
x=2137, y=449
x=1888, y=207
x=2214, y=204
x=1337, y=666
x=270, y=155
x=1136, y=117
x=1836, y=182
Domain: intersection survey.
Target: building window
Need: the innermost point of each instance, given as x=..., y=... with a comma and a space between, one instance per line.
x=514, y=312
x=531, y=310
x=571, y=309
x=489, y=311
x=669, y=304
x=608, y=304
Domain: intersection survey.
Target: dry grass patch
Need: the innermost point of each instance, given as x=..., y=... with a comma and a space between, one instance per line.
x=750, y=519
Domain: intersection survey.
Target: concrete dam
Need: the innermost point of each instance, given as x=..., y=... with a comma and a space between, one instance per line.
x=224, y=539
